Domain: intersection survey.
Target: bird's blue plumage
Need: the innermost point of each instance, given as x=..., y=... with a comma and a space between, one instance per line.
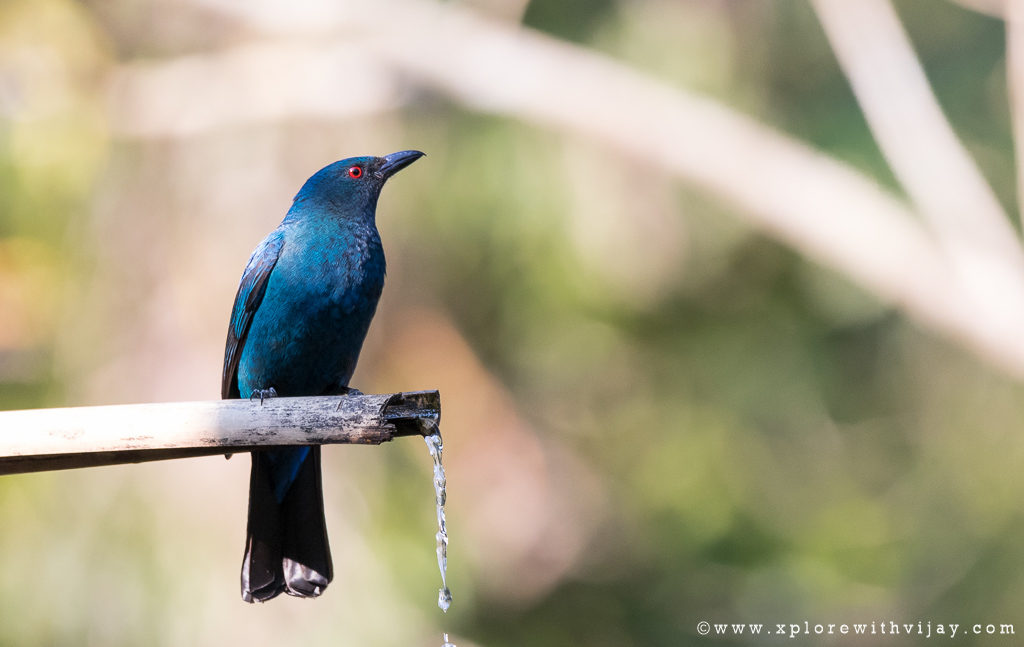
x=302, y=311
x=319, y=298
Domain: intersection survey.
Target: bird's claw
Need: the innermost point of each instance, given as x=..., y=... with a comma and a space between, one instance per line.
x=263, y=393
x=348, y=390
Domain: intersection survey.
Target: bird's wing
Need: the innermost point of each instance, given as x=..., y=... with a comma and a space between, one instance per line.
x=250, y=293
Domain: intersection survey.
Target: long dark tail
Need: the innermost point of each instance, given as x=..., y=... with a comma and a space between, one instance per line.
x=286, y=547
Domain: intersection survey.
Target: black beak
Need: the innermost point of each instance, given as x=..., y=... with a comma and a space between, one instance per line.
x=395, y=162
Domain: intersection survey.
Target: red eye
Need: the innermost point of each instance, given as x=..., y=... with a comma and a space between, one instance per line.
x=355, y=172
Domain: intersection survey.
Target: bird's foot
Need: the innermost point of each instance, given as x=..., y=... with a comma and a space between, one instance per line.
x=262, y=394
x=347, y=390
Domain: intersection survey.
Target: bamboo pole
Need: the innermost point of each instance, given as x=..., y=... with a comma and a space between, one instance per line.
x=51, y=439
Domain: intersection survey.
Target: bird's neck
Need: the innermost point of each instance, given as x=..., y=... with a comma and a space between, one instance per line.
x=335, y=206
x=331, y=220
x=331, y=239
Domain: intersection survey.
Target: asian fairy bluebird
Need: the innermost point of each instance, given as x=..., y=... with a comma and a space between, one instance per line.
x=301, y=314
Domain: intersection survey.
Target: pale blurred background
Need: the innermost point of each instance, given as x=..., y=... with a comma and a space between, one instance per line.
x=725, y=318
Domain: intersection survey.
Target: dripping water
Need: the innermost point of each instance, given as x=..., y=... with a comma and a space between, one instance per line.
x=434, y=445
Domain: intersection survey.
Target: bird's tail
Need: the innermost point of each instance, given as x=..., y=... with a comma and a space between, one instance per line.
x=286, y=549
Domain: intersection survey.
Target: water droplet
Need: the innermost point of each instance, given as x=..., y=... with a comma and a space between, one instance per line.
x=446, y=643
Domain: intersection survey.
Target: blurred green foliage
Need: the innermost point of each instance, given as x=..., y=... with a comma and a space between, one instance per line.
x=761, y=441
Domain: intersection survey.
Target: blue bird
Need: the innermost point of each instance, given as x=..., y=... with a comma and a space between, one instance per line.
x=302, y=311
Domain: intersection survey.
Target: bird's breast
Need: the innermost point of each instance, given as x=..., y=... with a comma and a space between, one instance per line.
x=307, y=333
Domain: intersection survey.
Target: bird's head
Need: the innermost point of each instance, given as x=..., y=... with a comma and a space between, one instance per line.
x=352, y=185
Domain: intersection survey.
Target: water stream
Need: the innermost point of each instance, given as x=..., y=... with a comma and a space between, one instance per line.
x=434, y=444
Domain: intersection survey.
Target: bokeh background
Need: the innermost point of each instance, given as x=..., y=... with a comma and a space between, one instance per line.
x=665, y=399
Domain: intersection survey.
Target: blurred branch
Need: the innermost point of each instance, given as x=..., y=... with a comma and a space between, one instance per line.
x=821, y=206
x=970, y=225
x=252, y=83
x=50, y=439
x=914, y=135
